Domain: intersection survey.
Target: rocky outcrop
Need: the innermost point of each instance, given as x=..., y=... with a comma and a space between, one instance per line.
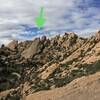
x=83, y=88
x=45, y=74
x=44, y=64
x=13, y=45
x=32, y=50
x=97, y=36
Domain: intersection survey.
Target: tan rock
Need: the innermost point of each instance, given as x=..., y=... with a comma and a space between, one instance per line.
x=85, y=88
x=45, y=74
x=13, y=45
x=32, y=50
x=98, y=35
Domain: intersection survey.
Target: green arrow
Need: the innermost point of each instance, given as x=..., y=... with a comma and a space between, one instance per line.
x=40, y=20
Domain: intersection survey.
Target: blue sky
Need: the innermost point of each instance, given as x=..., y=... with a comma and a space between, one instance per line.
x=17, y=18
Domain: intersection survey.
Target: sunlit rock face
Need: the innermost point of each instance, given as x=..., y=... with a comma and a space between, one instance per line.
x=44, y=64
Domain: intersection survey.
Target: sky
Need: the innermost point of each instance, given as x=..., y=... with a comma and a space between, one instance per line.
x=17, y=18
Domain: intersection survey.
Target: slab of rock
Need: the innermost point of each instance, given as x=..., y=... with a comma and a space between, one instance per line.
x=85, y=88
x=32, y=50
x=45, y=74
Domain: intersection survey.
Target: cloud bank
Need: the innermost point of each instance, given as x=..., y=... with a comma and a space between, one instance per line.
x=17, y=18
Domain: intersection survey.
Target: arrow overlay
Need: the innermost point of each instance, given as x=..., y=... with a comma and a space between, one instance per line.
x=40, y=20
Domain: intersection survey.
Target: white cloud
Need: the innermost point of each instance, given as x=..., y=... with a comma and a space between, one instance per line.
x=61, y=15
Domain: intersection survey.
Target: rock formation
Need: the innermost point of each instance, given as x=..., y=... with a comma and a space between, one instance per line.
x=32, y=50
x=56, y=64
x=13, y=45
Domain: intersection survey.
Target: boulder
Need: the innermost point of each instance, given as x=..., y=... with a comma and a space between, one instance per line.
x=13, y=45
x=32, y=50
x=97, y=36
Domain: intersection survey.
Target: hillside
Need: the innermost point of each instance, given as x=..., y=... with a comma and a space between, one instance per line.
x=87, y=88
x=45, y=64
